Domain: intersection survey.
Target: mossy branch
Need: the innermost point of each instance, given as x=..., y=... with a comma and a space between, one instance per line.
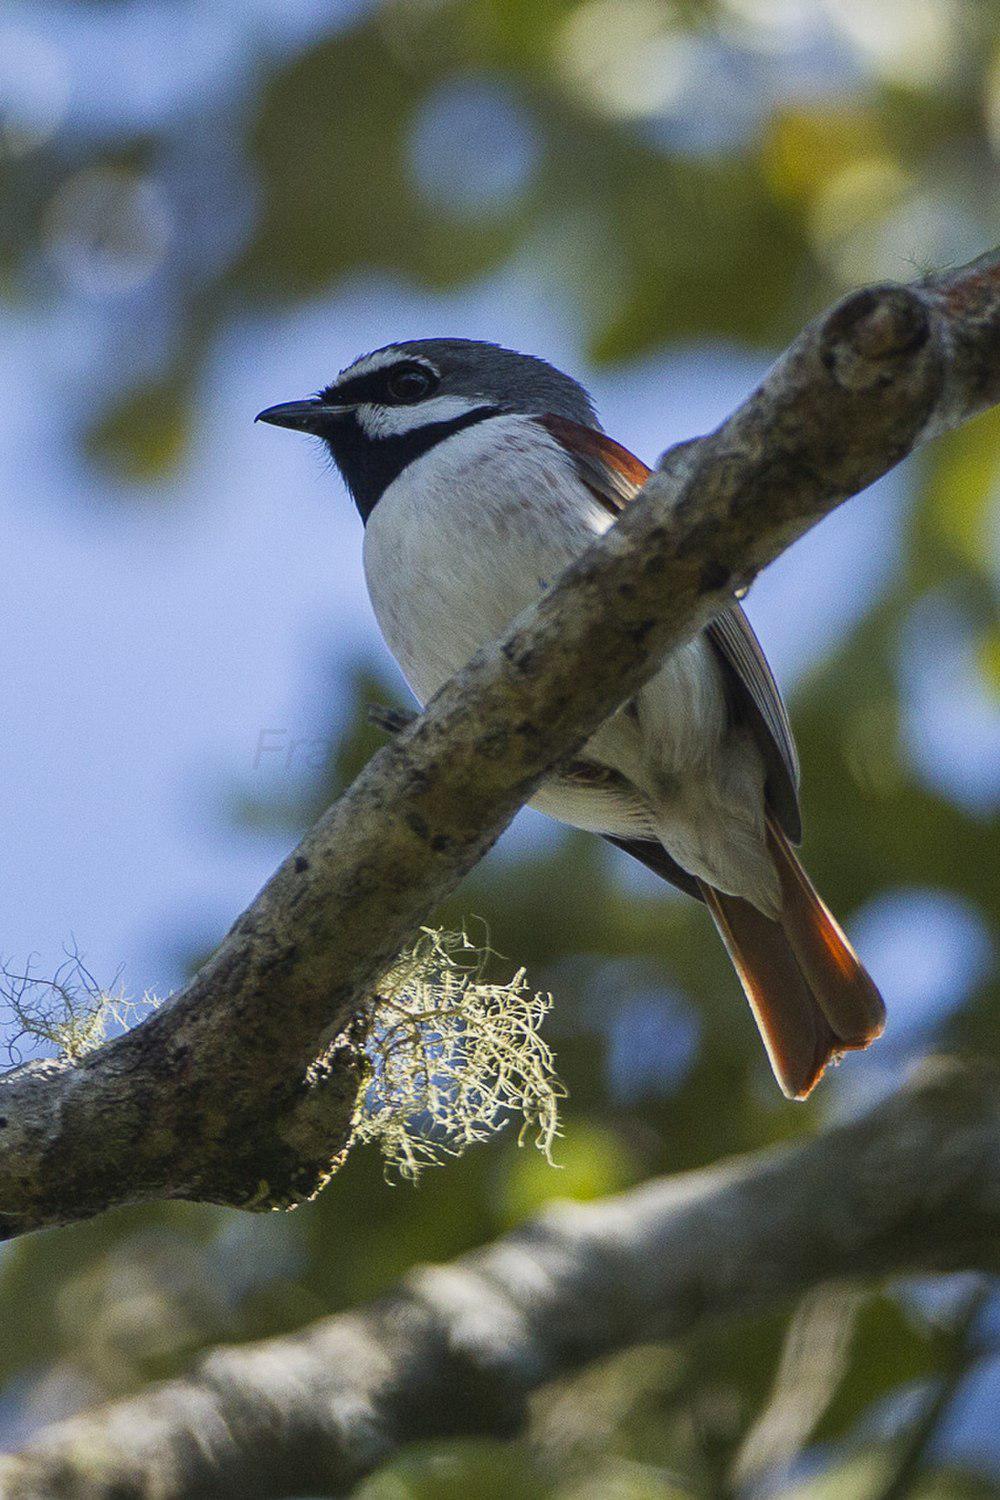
x=446, y=1057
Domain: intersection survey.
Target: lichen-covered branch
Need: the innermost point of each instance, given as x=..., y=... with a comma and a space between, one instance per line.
x=458, y=1349
x=218, y=1096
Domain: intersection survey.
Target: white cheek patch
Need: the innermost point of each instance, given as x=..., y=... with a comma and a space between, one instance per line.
x=397, y=421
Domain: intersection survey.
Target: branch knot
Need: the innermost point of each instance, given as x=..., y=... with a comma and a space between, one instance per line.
x=868, y=336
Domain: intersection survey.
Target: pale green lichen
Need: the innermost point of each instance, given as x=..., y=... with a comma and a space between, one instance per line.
x=70, y=1013
x=453, y=1058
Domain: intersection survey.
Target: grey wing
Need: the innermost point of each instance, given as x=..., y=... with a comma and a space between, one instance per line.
x=615, y=476
x=756, y=697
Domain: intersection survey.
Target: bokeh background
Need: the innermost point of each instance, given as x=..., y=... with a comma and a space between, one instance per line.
x=211, y=205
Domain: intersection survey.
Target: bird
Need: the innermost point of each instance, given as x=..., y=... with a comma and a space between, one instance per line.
x=480, y=473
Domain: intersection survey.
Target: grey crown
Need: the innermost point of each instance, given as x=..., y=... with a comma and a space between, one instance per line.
x=517, y=382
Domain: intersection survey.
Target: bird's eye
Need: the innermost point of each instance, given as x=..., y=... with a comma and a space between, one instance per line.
x=409, y=383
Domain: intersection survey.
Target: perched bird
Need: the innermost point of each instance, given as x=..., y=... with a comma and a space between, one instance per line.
x=481, y=473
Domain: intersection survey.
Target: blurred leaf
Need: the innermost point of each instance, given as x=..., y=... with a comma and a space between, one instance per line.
x=144, y=436
x=730, y=272
x=44, y=1319
x=889, y=1350
x=331, y=153
x=456, y=1471
x=802, y=149
x=590, y=1163
x=964, y=491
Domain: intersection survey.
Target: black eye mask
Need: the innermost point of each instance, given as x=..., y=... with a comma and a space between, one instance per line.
x=397, y=385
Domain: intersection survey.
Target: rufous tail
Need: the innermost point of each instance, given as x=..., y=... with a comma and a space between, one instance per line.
x=810, y=995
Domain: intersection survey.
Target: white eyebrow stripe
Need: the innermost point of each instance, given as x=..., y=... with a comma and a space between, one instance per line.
x=396, y=421
x=368, y=364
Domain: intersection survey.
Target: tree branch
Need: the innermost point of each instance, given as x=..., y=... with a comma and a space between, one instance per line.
x=217, y=1097
x=906, y=1472
x=458, y=1349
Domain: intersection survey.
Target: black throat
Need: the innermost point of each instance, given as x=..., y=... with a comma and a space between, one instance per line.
x=370, y=464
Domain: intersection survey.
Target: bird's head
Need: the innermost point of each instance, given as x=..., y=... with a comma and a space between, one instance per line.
x=389, y=407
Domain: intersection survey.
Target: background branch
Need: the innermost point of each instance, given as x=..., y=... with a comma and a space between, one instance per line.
x=907, y=1471
x=216, y=1097
x=458, y=1349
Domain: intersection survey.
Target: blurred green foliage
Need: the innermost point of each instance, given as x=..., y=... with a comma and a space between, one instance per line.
x=682, y=173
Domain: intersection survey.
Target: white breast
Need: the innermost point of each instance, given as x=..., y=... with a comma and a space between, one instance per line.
x=468, y=536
